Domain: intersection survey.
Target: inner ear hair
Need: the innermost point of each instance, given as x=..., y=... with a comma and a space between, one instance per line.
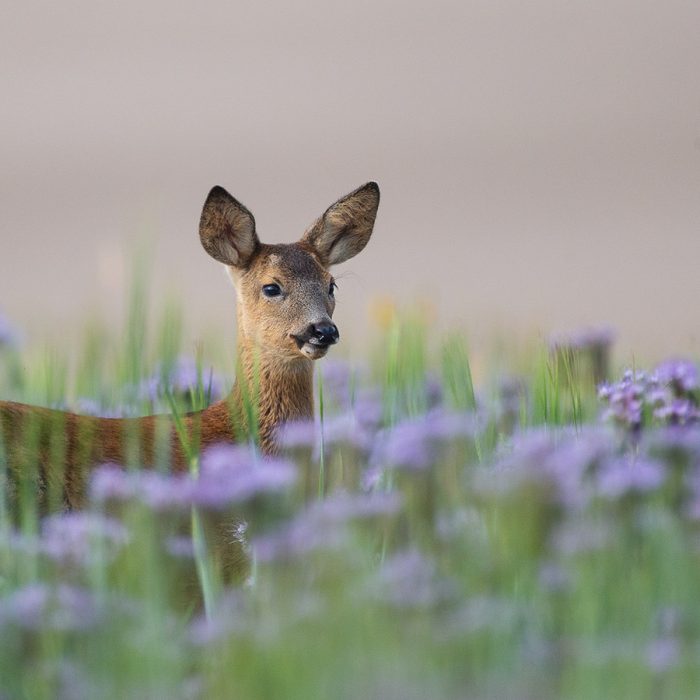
x=227, y=229
x=346, y=226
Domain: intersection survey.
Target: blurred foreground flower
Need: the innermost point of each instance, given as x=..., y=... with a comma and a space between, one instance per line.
x=111, y=483
x=663, y=654
x=556, y=463
x=39, y=606
x=627, y=476
x=413, y=444
x=338, y=382
x=324, y=525
x=409, y=579
x=229, y=475
x=71, y=538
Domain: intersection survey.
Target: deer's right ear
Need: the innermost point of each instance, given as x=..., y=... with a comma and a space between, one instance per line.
x=345, y=228
x=227, y=229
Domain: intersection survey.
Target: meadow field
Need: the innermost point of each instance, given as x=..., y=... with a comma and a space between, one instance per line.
x=533, y=533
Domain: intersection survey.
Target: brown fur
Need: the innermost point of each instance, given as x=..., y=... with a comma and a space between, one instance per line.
x=53, y=451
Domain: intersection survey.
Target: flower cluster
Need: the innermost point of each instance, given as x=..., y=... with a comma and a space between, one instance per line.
x=228, y=476
x=414, y=443
x=667, y=395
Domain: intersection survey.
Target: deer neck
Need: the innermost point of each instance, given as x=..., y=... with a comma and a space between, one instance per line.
x=271, y=391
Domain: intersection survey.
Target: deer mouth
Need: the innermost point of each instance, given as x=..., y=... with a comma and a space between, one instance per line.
x=313, y=348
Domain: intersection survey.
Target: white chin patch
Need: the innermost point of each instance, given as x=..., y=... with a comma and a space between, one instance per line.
x=313, y=352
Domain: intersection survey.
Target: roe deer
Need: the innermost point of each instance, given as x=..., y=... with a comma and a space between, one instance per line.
x=284, y=310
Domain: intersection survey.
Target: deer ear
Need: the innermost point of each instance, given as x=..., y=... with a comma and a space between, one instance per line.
x=227, y=229
x=343, y=231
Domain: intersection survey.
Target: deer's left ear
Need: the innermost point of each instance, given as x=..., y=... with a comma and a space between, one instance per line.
x=343, y=231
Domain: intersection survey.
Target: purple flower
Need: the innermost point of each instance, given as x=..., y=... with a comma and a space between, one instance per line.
x=342, y=429
x=163, y=491
x=559, y=461
x=408, y=579
x=625, y=400
x=621, y=476
x=301, y=536
x=342, y=506
x=298, y=434
x=368, y=408
x=412, y=444
x=663, y=654
x=110, y=482
x=678, y=412
x=408, y=446
x=228, y=475
x=337, y=379
x=324, y=525
x=345, y=429
x=158, y=491
x=38, y=606
x=666, y=394
x=680, y=375
x=232, y=474
x=72, y=537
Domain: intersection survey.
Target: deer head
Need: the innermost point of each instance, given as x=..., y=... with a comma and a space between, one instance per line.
x=286, y=291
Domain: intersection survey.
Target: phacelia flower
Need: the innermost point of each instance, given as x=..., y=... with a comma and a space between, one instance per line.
x=232, y=474
x=408, y=579
x=667, y=395
x=412, y=444
x=624, y=475
x=680, y=375
x=71, y=537
x=38, y=606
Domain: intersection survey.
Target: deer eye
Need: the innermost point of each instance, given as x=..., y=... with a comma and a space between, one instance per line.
x=332, y=288
x=271, y=290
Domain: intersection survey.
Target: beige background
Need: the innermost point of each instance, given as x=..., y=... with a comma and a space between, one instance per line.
x=539, y=161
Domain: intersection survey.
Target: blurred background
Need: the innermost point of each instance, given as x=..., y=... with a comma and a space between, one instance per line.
x=539, y=162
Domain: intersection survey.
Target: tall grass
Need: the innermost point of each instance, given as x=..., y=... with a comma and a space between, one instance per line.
x=499, y=538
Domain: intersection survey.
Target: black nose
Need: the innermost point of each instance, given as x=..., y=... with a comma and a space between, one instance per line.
x=325, y=333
